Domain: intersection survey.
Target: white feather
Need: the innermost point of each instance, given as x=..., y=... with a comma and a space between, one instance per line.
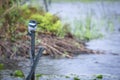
x=31, y=29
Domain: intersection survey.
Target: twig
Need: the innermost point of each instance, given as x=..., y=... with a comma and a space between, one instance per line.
x=7, y=11
x=54, y=50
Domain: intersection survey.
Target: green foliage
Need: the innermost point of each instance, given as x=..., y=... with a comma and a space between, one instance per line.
x=27, y=11
x=1, y=10
x=99, y=76
x=10, y=20
x=16, y=21
x=39, y=75
x=76, y=78
x=67, y=76
x=1, y=66
x=49, y=23
x=18, y=73
x=86, y=30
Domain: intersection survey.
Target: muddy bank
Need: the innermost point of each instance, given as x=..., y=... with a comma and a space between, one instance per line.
x=67, y=46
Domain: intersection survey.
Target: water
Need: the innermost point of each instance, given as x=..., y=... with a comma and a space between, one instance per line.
x=82, y=65
x=109, y=44
x=103, y=12
x=85, y=66
x=106, y=64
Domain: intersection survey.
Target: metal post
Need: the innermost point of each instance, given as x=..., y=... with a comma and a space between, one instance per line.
x=33, y=67
x=33, y=51
x=31, y=31
x=34, y=60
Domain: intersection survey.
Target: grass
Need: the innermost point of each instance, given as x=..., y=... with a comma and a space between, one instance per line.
x=87, y=29
x=1, y=66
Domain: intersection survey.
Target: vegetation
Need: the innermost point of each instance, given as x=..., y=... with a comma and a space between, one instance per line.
x=8, y=18
x=49, y=23
x=15, y=21
x=76, y=78
x=13, y=28
x=15, y=42
x=38, y=76
x=18, y=73
x=87, y=29
x=1, y=66
x=99, y=76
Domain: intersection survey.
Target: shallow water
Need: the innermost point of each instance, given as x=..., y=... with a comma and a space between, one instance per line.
x=83, y=64
x=109, y=44
x=106, y=64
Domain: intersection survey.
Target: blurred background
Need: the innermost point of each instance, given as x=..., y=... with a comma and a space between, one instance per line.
x=95, y=22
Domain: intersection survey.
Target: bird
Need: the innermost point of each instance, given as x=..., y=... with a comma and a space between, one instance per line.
x=32, y=25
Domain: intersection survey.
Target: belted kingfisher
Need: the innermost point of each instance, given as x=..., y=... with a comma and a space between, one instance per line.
x=32, y=25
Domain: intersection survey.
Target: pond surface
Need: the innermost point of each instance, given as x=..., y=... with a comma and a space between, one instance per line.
x=85, y=66
x=105, y=64
x=88, y=65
